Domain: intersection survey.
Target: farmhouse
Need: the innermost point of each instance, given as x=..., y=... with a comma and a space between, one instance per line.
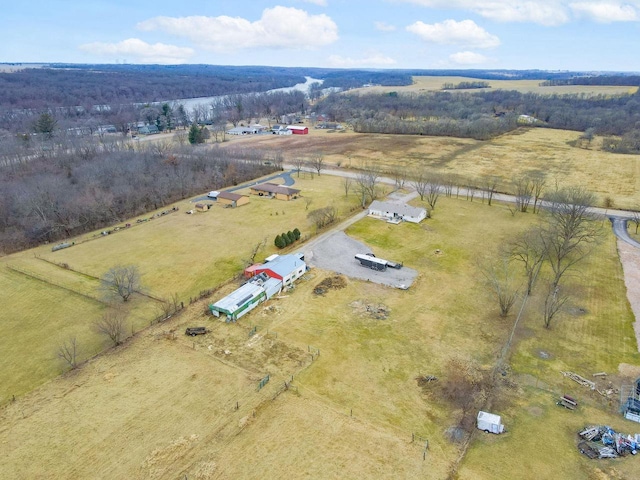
x=230, y=199
x=395, y=211
x=280, y=130
x=298, y=129
x=275, y=191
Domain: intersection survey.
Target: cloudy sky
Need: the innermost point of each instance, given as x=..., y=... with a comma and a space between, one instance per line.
x=543, y=34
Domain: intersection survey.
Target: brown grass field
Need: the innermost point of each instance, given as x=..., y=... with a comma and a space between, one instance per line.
x=429, y=84
x=526, y=150
x=164, y=405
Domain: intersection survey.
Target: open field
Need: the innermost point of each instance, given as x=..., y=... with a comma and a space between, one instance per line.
x=51, y=296
x=429, y=84
x=535, y=149
x=161, y=407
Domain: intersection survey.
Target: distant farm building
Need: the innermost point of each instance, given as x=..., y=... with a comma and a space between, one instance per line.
x=280, y=130
x=298, y=129
x=242, y=131
x=148, y=130
x=397, y=212
x=202, y=207
x=266, y=280
x=275, y=191
x=230, y=199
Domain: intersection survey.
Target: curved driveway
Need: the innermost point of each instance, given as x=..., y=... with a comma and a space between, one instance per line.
x=620, y=229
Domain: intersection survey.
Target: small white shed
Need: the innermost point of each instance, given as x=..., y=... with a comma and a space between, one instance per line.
x=490, y=422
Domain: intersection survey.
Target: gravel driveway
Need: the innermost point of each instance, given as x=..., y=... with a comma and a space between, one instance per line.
x=630, y=259
x=336, y=252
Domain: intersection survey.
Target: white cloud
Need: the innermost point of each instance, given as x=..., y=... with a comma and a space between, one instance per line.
x=371, y=60
x=451, y=32
x=279, y=27
x=544, y=12
x=143, y=52
x=468, y=58
x=605, y=12
x=384, y=27
x=322, y=3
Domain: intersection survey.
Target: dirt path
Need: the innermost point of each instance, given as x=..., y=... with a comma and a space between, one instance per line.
x=630, y=259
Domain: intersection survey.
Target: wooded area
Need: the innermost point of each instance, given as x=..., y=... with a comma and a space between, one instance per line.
x=52, y=197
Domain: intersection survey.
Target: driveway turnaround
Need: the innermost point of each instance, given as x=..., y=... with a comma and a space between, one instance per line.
x=336, y=252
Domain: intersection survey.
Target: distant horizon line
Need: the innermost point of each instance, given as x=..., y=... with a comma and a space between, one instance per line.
x=549, y=70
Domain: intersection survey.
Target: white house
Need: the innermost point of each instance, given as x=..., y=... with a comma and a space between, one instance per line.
x=397, y=211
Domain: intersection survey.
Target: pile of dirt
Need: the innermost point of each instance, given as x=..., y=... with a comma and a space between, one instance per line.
x=376, y=311
x=330, y=283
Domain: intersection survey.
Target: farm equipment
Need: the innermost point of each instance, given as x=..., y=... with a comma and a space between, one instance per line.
x=193, y=331
x=567, y=402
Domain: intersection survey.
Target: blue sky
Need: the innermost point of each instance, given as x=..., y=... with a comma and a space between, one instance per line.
x=544, y=34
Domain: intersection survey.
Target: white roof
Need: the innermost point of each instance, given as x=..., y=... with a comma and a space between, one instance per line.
x=489, y=417
x=239, y=297
x=296, y=127
x=397, y=208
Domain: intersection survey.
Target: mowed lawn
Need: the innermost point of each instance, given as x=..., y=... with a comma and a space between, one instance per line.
x=353, y=410
x=175, y=254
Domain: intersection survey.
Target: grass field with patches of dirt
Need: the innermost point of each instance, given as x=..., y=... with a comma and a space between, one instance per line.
x=175, y=253
x=163, y=405
x=552, y=152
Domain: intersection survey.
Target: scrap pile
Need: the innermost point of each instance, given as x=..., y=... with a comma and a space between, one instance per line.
x=607, y=443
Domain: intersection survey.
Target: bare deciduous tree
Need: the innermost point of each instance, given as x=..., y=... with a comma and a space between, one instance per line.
x=490, y=187
x=322, y=217
x=635, y=218
x=346, y=184
x=501, y=279
x=523, y=192
x=433, y=191
x=420, y=182
x=529, y=248
x=399, y=174
x=112, y=325
x=317, y=162
x=466, y=386
x=68, y=351
x=366, y=184
x=553, y=302
x=298, y=165
x=538, y=182
x=121, y=281
x=570, y=232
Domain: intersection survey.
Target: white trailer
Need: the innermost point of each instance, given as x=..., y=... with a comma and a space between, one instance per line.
x=490, y=423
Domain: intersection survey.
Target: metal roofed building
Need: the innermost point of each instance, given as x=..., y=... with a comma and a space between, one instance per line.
x=239, y=302
x=286, y=268
x=274, y=190
x=397, y=211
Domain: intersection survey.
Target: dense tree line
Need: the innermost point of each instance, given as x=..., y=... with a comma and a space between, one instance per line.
x=39, y=88
x=617, y=80
x=480, y=113
x=83, y=188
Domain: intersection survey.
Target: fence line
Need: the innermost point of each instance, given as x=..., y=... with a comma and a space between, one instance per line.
x=55, y=284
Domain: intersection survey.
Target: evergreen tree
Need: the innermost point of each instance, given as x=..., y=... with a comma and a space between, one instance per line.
x=291, y=237
x=296, y=233
x=279, y=242
x=45, y=125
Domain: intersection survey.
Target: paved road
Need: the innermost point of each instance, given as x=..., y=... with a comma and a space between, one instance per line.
x=621, y=217
x=620, y=230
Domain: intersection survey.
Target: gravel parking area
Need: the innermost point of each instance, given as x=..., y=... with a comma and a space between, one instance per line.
x=336, y=252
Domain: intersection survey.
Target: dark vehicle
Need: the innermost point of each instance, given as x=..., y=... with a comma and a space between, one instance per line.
x=193, y=331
